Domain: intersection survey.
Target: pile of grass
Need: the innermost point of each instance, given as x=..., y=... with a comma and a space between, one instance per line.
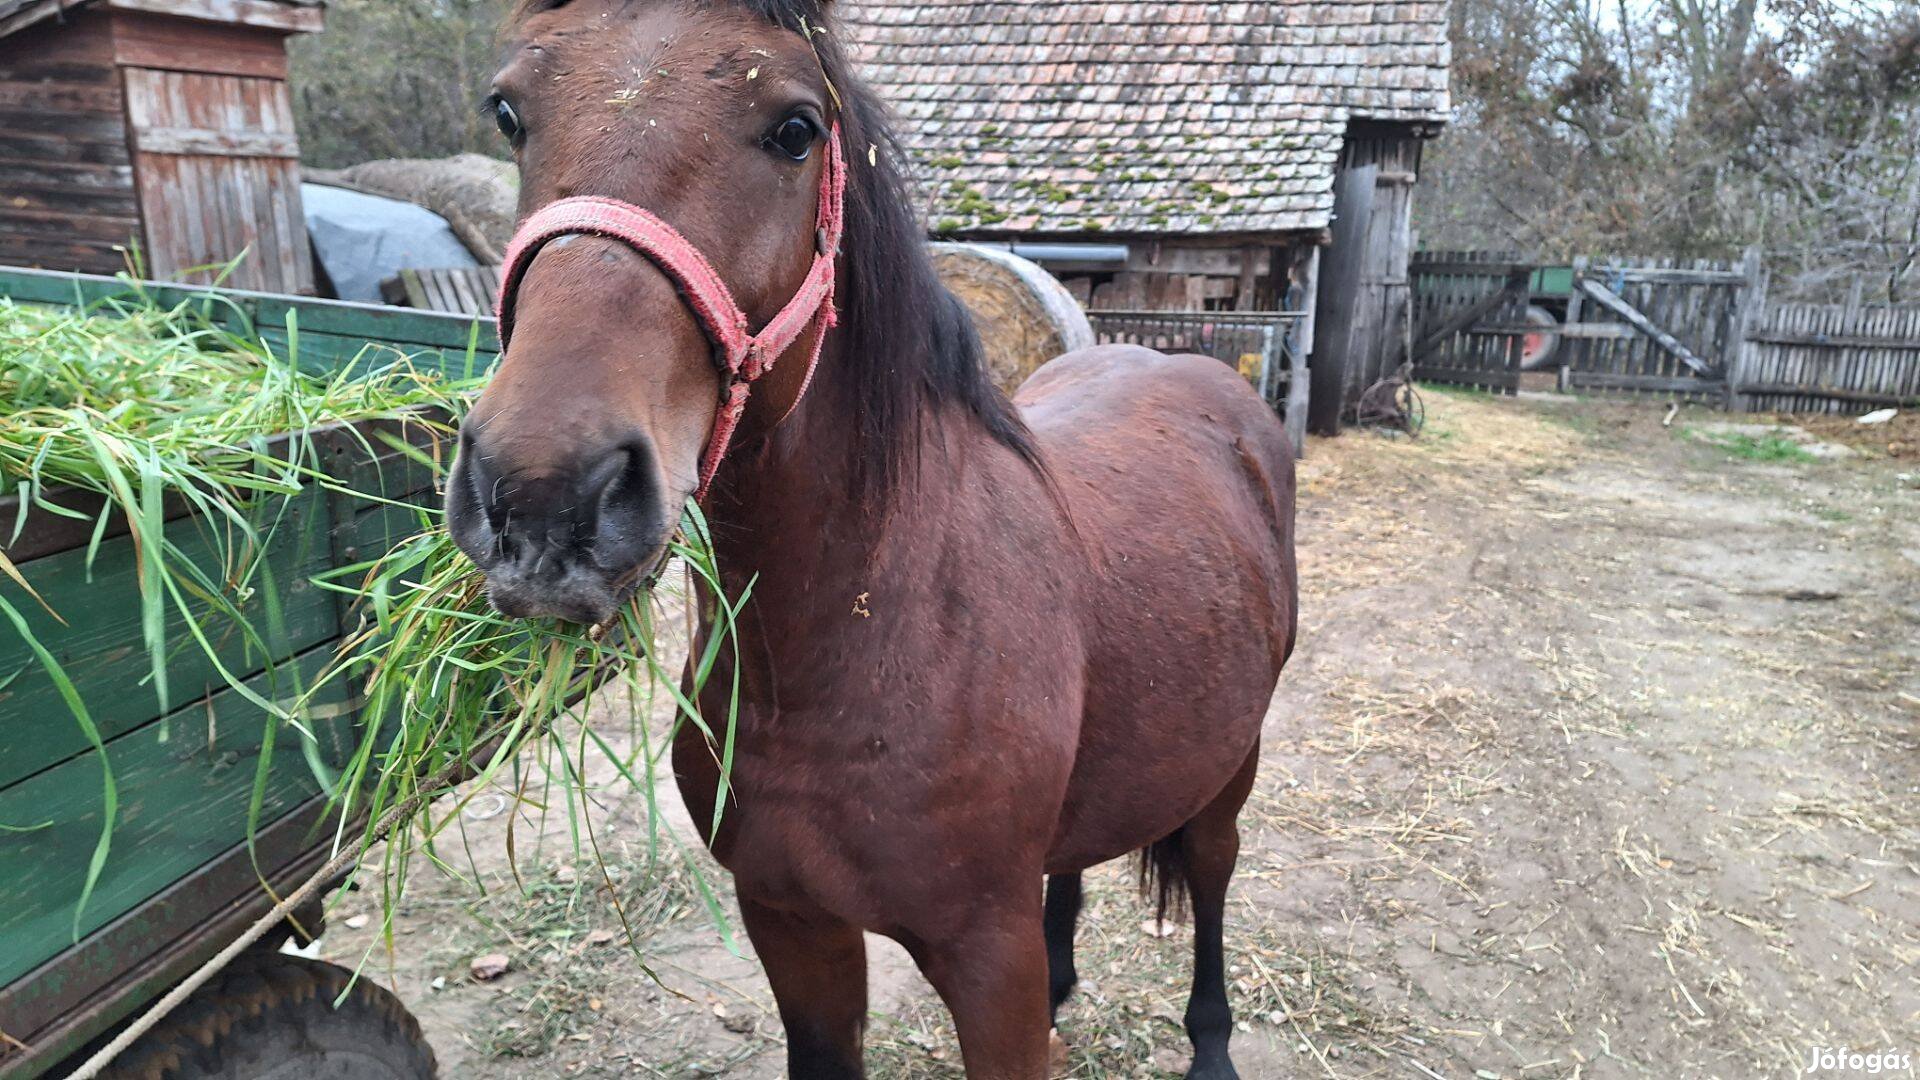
x=137, y=405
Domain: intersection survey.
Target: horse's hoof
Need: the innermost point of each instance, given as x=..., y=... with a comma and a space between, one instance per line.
x=1056, y=1055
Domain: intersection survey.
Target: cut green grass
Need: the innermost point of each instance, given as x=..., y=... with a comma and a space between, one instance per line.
x=129, y=411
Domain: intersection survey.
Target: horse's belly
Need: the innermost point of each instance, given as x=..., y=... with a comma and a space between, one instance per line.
x=1182, y=483
x=1121, y=799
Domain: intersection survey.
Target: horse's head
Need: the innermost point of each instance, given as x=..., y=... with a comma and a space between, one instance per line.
x=713, y=118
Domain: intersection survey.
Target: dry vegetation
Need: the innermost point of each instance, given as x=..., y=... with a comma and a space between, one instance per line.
x=1597, y=759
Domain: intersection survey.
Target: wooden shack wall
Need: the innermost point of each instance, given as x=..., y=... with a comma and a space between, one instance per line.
x=1176, y=273
x=66, y=173
x=210, y=119
x=123, y=129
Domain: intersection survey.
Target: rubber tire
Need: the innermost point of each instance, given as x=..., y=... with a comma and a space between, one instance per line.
x=271, y=1017
x=1535, y=315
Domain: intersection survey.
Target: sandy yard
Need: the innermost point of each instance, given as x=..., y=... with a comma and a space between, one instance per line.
x=1600, y=757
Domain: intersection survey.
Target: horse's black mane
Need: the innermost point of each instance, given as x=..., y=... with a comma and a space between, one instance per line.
x=895, y=314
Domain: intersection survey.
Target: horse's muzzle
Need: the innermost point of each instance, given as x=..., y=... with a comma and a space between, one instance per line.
x=569, y=543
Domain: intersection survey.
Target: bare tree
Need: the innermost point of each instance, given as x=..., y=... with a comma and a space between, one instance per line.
x=1687, y=127
x=397, y=78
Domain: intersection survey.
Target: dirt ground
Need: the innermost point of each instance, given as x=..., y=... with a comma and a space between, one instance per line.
x=1599, y=757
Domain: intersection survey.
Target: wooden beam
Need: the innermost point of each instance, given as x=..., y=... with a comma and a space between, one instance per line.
x=1505, y=380
x=1250, y=260
x=1445, y=266
x=1299, y=382
x=1610, y=300
x=1609, y=331
x=1750, y=301
x=1517, y=277
x=26, y=16
x=1858, y=397
x=287, y=18
x=260, y=144
x=1664, y=276
x=164, y=44
x=1815, y=340
x=1673, y=384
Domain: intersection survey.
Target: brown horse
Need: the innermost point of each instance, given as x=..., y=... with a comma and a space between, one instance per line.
x=986, y=644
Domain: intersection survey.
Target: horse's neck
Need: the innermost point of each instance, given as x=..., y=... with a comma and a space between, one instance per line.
x=787, y=507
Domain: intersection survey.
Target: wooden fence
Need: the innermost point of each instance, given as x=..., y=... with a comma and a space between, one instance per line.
x=1830, y=358
x=1694, y=328
x=1455, y=293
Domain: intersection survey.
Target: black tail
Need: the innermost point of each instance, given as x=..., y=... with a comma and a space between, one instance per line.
x=1163, y=875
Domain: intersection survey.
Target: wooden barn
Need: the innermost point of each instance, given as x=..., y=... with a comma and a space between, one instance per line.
x=1248, y=155
x=164, y=126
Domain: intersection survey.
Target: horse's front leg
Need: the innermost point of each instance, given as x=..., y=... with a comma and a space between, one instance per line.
x=992, y=974
x=818, y=969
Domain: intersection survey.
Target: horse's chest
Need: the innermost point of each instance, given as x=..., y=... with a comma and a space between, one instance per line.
x=798, y=834
x=877, y=833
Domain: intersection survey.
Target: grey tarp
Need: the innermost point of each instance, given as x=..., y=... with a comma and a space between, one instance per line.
x=362, y=240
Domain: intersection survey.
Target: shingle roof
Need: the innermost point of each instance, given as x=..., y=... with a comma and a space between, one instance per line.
x=1175, y=116
x=17, y=15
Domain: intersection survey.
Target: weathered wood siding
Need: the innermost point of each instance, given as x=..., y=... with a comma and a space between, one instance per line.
x=1831, y=358
x=210, y=118
x=67, y=198
x=1365, y=311
x=122, y=129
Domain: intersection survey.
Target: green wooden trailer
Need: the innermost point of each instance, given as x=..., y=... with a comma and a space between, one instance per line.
x=183, y=876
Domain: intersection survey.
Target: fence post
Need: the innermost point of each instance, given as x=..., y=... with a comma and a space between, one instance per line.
x=1299, y=380
x=1573, y=350
x=1746, y=314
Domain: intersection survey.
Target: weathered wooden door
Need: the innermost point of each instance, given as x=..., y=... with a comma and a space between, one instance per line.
x=1339, y=341
x=219, y=177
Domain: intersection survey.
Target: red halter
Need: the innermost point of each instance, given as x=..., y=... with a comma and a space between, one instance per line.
x=741, y=355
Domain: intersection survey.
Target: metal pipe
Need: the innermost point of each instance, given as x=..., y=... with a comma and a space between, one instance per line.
x=1082, y=254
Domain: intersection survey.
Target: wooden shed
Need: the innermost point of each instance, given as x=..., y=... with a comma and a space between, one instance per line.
x=162, y=126
x=1181, y=155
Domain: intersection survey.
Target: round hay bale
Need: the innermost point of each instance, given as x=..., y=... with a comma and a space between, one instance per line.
x=1024, y=315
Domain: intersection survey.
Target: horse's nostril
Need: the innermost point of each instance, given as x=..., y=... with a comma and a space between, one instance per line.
x=603, y=475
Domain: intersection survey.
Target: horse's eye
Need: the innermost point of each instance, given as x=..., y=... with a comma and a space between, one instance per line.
x=794, y=137
x=508, y=120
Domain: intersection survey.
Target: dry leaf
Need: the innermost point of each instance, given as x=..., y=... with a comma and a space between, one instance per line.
x=489, y=967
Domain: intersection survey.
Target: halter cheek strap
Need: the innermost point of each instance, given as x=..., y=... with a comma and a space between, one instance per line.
x=741, y=355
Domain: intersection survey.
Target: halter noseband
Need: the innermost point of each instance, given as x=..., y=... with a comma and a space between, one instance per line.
x=741, y=355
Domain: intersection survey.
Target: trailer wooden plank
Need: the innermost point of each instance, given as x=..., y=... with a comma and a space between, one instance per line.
x=100, y=643
x=184, y=783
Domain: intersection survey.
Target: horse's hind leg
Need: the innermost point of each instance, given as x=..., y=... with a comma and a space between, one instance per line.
x=818, y=969
x=1063, y=912
x=1210, y=845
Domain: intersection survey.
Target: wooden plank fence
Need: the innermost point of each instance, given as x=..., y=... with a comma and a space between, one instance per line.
x=1455, y=291
x=1831, y=358
x=1697, y=328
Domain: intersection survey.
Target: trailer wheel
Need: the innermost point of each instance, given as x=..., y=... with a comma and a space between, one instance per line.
x=1537, y=347
x=272, y=1017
